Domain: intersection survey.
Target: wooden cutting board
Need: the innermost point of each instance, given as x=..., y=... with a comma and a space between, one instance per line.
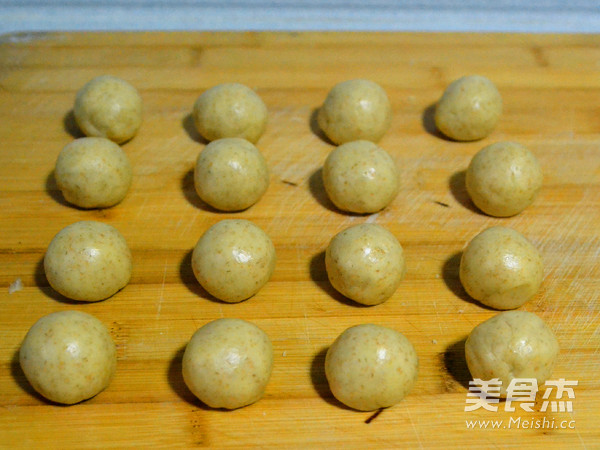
x=551, y=90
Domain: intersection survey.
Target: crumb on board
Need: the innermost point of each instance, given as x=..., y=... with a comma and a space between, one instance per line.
x=373, y=416
x=434, y=341
x=15, y=286
x=284, y=353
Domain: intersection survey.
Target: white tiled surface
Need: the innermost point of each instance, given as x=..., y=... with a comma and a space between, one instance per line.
x=564, y=16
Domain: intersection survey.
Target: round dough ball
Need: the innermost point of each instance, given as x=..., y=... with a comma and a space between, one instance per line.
x=513, y=344
x=503, y=179
x=231, y=174
x=365, y=263
x=68, y=356
x=353, y=110
x=93, y=172
x=360, y=177
x=233, y=260
x=370, y=367
x=108, y=107
x=88, y=261
x=501, y=268
x=469, y=109
x=228, y=363
x=230, y=110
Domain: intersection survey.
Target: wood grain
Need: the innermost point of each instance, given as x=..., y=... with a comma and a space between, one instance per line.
x=551, y=90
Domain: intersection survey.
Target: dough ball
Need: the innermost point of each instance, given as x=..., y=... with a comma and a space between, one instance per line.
x=360, y=177
x=228, y=363
x=230, y=110
x=513, y=344
x=370, y=367
x=68, y=356
x=469, y=109
x=108, y=107
x=501, y=268
x=93, y=173
x=233, y=260
x=503, y=179
x=353, y=110
x=231, y=174
x=365, y=263
x=88, y=261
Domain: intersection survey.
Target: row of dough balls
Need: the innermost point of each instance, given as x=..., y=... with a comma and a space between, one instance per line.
x=231, y=174
x=91, y=261
x=69, y=356
x=110, y=107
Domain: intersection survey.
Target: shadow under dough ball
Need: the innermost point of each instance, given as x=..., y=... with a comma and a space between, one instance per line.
x=469, y=109
x=355, y=110
x=501, y=268
x=88, y=261
x=108, y=107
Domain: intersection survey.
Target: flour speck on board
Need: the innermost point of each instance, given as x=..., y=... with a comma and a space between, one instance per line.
x=15, y=286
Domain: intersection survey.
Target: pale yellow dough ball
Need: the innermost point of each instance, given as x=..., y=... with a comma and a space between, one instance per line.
x=108, y=107
x=230, y=110
x=501, y=268
x=233, y=260
x=231, y=174
x=88, y=261
x=512, y=345
x=93, y=172
x=68, y=356
x=228, y=363
x=503, y=179
x=370, y=367
x=360, y=177
x=355, y=110
x=365, y=263
x=469, y=109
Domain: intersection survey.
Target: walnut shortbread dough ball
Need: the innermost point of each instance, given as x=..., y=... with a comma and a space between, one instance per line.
x=501, y=268
x=93, y=172
x=469, y=109
x=68, y=356
x=360, y=177
x=503, y=179
x=365, y=263
x=230, y=110
x=228, y=363
x=88, y=261
x=511, y=345
x=108, y=107
x=233, y=260
x=370, y=367
x=231, y=174
x=355, y=110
